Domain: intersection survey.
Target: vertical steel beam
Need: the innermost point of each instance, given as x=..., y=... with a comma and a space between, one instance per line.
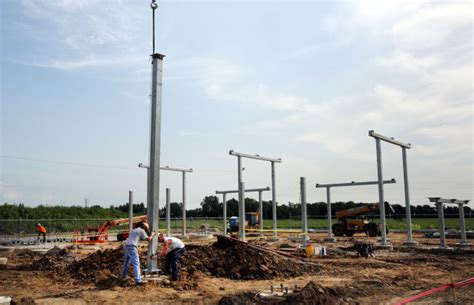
x=168, y=213
x=260, y=211
x=153, y=205
x=130, y=211
x=224, y=213
x=442, y=236
x=242, y=211
x=410, y=240
x=274, y=203
x=383, y=241
x=184, y=205
x=462, y=225
x=304, y=215
x=329, y=212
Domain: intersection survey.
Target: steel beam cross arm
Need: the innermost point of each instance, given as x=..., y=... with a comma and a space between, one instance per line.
x=353, y=183
x=389, y=140
x=256, y=157
x=246, y=191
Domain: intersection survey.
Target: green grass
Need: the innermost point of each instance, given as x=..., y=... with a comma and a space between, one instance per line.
x=418, y=223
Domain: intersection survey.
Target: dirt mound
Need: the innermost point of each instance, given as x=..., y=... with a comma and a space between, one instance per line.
x=101, y=265
x=56, y=259
x=237, y=260
x=312, y=293
x=22, y=256
x=23, y=301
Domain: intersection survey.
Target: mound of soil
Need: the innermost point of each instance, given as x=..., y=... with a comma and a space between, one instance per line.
x=236, y=260
x=56, y=259
x=312, y=293
x=101, y=265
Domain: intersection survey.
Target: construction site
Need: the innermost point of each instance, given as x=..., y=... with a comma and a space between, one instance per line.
x=350, y=255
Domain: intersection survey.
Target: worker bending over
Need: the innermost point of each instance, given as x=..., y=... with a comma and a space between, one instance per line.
x=131, y=251
x=173, y=248
x=41, y=231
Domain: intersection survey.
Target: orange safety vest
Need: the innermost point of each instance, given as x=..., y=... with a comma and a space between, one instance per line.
x=41, y=229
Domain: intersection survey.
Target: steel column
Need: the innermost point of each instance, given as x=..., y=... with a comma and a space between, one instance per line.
x=168, y=213
x=184, y=205
x=130, y=211
x=224, y=213
x=304, y=215
x=153, y=205
x=407, y=198
x=462, y=225
x=260, y=209
x=242, y=211
x=383, y=229
x=329, y=211
x=274, y=203
x=442, y=236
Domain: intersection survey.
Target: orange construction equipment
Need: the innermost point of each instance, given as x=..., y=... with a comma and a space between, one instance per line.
x=100, y=235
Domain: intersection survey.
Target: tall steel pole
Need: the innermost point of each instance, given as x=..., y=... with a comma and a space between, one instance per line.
x=153, y=204
x=274, y=203
x=383, y=241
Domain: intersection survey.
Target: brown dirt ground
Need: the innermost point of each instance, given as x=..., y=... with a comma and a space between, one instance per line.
x=64, y=276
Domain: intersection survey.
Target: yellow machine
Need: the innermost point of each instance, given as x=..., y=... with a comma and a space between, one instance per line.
x=353, y=220
x=252, y=222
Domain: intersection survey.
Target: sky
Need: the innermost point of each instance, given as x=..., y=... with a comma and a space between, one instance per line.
x=303, y=81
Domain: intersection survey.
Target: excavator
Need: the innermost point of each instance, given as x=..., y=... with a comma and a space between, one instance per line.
x=354, y=220
x=100, y=234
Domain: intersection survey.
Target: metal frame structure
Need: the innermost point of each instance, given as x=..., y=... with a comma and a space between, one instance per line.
x=404, y=146
x=239, y=177
x=328, y=186
x=183, y=171
x=224, y=201
x=439, y=206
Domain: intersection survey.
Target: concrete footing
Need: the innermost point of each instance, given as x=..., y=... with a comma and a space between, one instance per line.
x=411, y=243
x=388, y=247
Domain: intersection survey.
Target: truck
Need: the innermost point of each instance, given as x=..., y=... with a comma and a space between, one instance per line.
x=354, y=220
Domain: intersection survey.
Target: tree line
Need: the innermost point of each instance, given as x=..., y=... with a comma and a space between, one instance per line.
x=209, y=207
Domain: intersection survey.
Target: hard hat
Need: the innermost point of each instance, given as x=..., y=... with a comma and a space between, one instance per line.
x=146, y=226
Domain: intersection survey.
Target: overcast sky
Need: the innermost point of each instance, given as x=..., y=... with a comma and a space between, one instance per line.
x=300, y=81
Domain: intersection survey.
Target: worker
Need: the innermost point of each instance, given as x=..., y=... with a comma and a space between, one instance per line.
x=131, y=251
x=41, y=231
x=173, y=248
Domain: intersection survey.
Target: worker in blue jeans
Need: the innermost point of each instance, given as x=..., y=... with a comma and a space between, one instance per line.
x=173, y=248
x=131, y=251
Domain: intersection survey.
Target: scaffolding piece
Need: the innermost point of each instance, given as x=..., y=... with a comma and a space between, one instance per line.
x=272, y=161
x=224, y=213
x=439, y=206
x=184, y=171
x=404, y=147
x=328, y=187
x=130, y=211
x=168, y=213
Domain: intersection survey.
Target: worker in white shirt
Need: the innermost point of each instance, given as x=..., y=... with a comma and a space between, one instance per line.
x=173, y=248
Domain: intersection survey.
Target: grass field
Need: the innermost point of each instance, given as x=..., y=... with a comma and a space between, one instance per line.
x=418, y=223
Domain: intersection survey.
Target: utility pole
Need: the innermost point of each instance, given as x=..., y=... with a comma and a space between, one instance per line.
x=155, y=145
